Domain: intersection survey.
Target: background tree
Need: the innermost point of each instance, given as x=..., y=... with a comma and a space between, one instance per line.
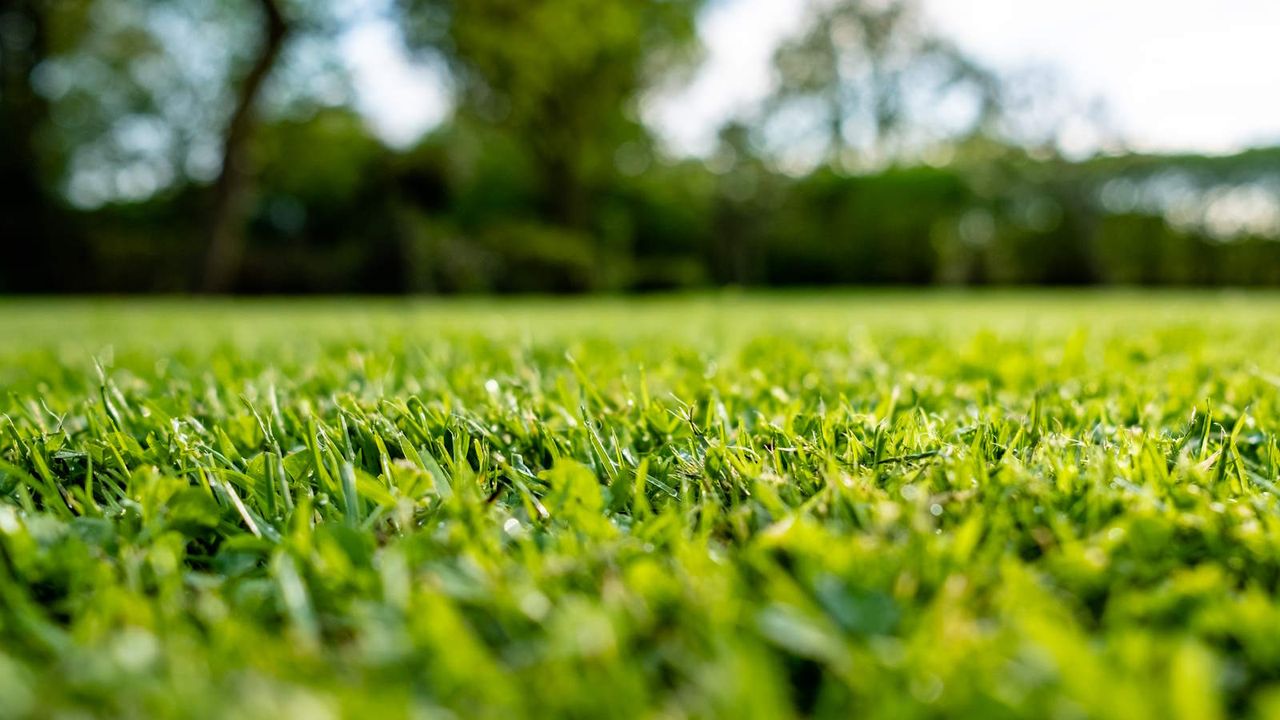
x=564, y=78
x=148, y=101
x=31, y=210
x=869, y=76
x=227, y=217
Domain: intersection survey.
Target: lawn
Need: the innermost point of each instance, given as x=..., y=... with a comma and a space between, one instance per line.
x=880, y=504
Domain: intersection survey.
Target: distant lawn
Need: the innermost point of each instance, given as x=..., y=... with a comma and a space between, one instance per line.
x=879, y=504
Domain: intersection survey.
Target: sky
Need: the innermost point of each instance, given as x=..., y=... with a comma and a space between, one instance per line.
x=1169, y=75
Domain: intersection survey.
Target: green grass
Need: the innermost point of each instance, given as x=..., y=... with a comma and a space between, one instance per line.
x=886, y=505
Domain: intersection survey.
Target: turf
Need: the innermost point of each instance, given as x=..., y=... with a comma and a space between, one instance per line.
x=884, y=505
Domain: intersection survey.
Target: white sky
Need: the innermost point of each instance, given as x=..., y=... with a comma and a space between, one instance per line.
x=402, y=99
x=1174, y=75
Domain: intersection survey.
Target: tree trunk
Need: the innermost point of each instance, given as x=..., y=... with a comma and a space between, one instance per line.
x=231, y=189
x=40, y=252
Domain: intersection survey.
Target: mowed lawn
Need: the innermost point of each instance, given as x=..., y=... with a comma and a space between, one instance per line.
x=882, y=504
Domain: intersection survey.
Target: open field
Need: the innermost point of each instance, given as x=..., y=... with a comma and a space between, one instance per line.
x=882, y=504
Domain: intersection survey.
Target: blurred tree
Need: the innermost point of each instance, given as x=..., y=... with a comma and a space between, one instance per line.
x=870, y=72
x=745, y=190
x=564, y=77
x=321, y=214
x=230, y=197
x=30, y=211
x=138, y=99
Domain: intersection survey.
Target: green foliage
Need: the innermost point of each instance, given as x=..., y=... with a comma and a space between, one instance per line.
x=561, y=77
x=839, y=232
x=885, y=505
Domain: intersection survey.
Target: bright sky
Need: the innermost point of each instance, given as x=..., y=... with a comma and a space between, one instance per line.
x=1174, y=75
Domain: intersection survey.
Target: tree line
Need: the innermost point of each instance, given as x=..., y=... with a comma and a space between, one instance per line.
x=181, y=146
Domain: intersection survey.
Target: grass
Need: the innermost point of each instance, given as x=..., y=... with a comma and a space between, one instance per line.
x=888, y=505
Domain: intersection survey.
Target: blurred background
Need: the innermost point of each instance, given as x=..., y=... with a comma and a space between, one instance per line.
x=565, y=146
